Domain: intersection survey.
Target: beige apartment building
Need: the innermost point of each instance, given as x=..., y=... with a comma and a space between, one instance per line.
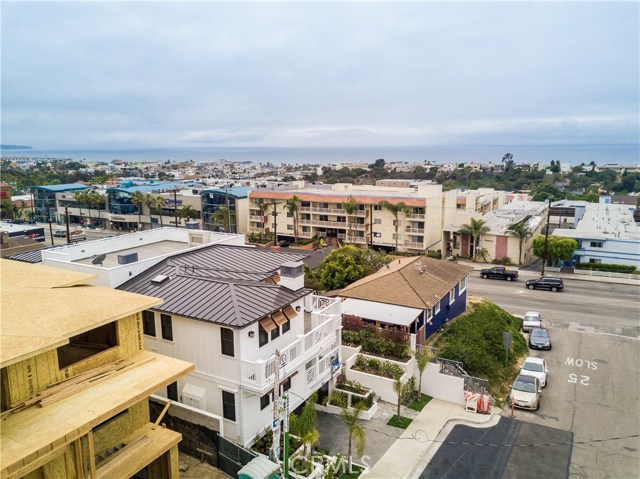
x=430, y=221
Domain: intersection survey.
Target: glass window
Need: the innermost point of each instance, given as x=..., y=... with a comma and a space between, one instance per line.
x=286, y=327
x=229, y=405
x=167, y=327
x=265, y=401
x=226, y=336
x=275, y=333
x=596, y=244
x=452, y=296
x=436, y=308
x=149, y=323
x=463, y=285
x=263, y=336
x=286, y=385
x=172, y=391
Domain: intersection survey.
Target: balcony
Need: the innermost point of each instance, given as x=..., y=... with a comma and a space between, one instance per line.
x=413, y=245
x=416, y=216
x=318, y=342
x=414, y=230
x=259, y=219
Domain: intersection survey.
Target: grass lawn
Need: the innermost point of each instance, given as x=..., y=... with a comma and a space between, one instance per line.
x=357, y=470
x=401, y=422
x=420, y=403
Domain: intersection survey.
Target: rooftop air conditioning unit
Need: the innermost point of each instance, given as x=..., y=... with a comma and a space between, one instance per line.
x=127, y=258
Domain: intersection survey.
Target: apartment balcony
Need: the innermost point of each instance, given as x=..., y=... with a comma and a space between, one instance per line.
x=414, y=230
x=413, y=245
x=320, y=342
x=416, y=216
x=256, y=230
x=259, y=219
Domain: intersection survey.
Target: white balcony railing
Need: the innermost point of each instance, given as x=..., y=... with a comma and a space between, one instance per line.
x=414, y=230
x=415, y=216
x=413, y=244
x=325, y=322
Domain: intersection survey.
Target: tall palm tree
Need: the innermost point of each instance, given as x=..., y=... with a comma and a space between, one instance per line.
x=96, y=200
x=158, y=203
x=522, y=231
x=305, y=425
x=138, y=199
x=422, y=359
x=264, y=212
x=187, y=212
x=82, y=197
x=293, y=206
x=150, y=202
x=395, y=209
x=475, y=229
x=357, y=433
x=351, y=207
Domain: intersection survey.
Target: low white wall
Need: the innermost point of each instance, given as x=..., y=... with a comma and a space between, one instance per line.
x=365, y=415
x=442, y=386
x=608, y=274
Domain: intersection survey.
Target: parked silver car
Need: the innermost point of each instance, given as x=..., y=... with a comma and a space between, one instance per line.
x=525, y=393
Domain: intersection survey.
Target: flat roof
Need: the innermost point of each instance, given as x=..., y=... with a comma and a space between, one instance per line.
x=43, y=307
x=60, y=188
x=144, y=251
x=385, y=313
x=606, y=222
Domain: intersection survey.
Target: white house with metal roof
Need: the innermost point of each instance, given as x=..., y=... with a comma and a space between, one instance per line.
x=230, y=309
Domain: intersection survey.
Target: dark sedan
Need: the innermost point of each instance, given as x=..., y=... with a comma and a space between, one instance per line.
x=539, y=339
x=546, y=282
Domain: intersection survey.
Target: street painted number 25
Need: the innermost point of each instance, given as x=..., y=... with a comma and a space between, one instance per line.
x=574, y=379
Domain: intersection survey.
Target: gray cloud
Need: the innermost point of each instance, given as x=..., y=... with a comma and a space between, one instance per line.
x=325, y=73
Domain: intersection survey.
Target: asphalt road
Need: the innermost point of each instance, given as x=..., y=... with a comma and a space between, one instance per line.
x=584, y=306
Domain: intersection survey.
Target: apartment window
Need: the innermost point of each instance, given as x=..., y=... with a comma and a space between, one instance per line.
x=596, y=244
x=167, y=327
x=149, y=323
x=305, y=204
x=289, y=214
x=290, y=227
x=325, y=205
x=263, y=337
x=594, y=260
x=265, y=401
x=172, y=391
x=286, y=385
x=463, y=285
x=452, y=296
x=286, y=327
x=377, y=221
x=324, y=218
x=226, y=337
x=228, y=405
x=377, y=208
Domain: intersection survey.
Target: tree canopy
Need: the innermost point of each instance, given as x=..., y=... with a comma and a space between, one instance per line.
x=558, y=247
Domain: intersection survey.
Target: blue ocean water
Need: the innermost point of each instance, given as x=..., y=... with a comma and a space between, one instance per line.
x=572, y=154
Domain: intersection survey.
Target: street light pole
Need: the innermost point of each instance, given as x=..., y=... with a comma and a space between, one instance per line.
x=175, y=207
x=546, y=238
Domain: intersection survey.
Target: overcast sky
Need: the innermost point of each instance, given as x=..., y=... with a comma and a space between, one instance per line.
x=173, y=74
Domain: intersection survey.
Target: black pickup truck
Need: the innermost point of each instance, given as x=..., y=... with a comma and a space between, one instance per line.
x=499, y=272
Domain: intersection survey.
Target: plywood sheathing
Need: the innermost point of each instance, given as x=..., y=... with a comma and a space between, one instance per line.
x=41, y=308
x=41, y=430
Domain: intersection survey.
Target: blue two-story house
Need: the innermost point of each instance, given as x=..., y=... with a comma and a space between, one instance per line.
x=416, y=295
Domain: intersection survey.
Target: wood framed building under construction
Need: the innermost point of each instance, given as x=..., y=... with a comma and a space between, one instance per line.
x=76, y=380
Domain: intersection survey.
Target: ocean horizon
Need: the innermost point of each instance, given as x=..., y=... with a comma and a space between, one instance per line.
x=575, y=155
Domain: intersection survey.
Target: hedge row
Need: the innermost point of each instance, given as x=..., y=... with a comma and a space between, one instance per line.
x=614, y=268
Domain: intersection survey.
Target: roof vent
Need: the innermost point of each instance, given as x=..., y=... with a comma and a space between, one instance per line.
x=161, y=278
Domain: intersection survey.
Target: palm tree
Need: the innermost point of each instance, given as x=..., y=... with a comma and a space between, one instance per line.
x=138, y=199
x=188, y=212
x=357, y=434
x=83, y=198
x=522, y=231
x=395, y=209
x=398, y=387
x=475, y=229
x=264, y=212
x=224, y=217
x=293, y=206
x=158, y=203
x=422, y=359
x=351, y=207
x=150, y=201
x=96, y=200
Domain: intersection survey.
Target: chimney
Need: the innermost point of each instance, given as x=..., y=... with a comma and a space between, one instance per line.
x=292, y=275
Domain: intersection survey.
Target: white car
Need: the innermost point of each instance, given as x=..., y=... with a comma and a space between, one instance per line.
x=536, y=367
x=531, y=320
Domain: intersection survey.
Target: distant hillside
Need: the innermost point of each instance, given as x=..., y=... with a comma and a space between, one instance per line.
x=15, y=147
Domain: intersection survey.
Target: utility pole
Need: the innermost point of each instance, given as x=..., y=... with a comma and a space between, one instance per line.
x=546, y=237
x=285, y=452
x=226, y=192
x=274, y=213
x=175, y=207
x=49, y=221
x=66, y=222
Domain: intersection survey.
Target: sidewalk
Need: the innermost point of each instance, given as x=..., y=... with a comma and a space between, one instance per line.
x=411, y=452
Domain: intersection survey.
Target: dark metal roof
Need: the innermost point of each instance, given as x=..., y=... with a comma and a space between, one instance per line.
x=33, y=256
x=220, y=284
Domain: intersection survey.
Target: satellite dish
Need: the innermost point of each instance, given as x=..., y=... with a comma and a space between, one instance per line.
x=98, y=259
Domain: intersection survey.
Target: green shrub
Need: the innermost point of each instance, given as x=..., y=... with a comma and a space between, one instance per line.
x=392, y=370
x=409, y=393
x=434, y=254
x=339, y=399
x=614, y=268
x=475, y=339
x=373, y=364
